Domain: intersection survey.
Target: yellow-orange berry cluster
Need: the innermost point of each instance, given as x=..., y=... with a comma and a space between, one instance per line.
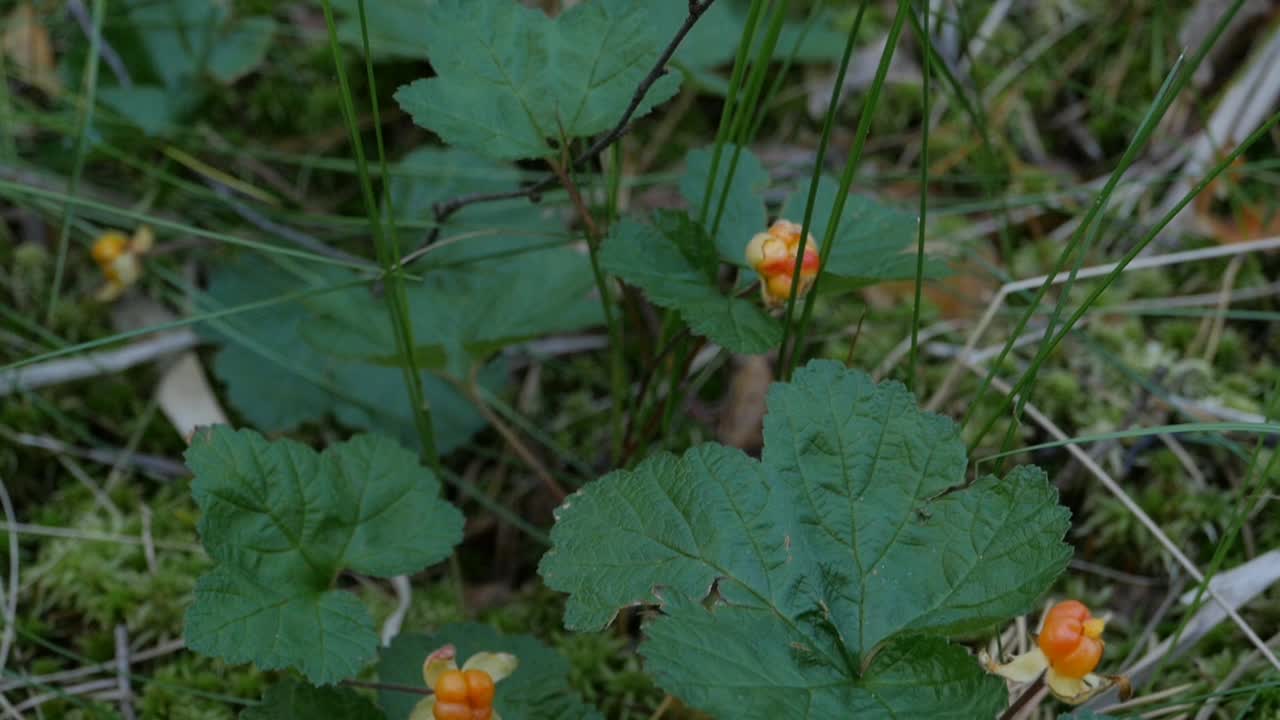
x=773, y=255
x=464, y=695
x=120, y=259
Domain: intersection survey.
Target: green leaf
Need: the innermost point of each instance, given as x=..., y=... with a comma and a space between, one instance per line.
x=650, y=259
x=740, y=662
x=852, y=538
x=538, y=690
x=185, y=38
x=714, y=40
x=510, y=80
x=279, y=380
x=282, y=521
x=743, y=214
x=394, y=27
x=154, y=110
x=872, y=241
x=240, y=48
x=292, y=700
x=461, y=318
x=482, y=237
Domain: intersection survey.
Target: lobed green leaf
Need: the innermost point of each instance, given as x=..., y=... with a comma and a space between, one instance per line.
x=282, y=521
x=832, y=569
x=512, y=83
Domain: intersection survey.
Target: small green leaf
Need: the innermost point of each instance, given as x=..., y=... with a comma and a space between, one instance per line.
x=240, y=48
x=644, y=256
x=152, y=109
x=185, y=38
x=292, y=700
x=743, y=214
x=855, y=533
x=714, y=40
x=691, y=240
x=538, y=689
x=281, y=522
x=510, y=80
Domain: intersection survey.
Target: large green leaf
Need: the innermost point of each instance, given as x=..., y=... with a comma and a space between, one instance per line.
x=743, y=214
x=651, y=258
x=482, y=237
x=460, y=318
x=538, y=689
x=510, y=80
x=873, y=242
x=292, y=700
x=282, y=521
x=278, y=380
x=853, y=537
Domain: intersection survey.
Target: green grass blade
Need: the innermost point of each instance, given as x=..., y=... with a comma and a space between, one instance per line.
x=922, y=34
x=388, y=253
x=82, y=149
x=1133, y=253
x=828, y=123
x=1179, y=76
x=846, y=179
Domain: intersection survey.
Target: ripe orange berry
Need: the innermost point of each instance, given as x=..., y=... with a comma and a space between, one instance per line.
x=480, y=688
x=464, y=695
x=452, y=711
x=452, y=688
x=1071, y=639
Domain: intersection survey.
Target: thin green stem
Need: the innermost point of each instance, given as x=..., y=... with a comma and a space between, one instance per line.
x=846, y=179
x=387, y=247
x=730, y=103
x=746, y=108
x=158, y=222
x=182, y=322
x=1252, y=489
x=617, y=359
x=828, y=124
x=82, y=147
x=1180, y=74
x=1133, y=253
x=927, y=43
